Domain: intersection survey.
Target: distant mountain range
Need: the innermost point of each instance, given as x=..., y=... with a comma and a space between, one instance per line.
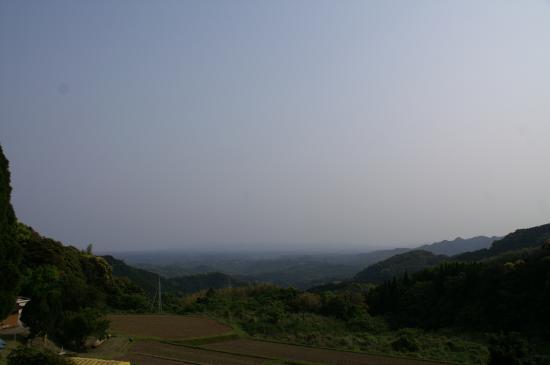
x=459, y=245
x=518, y=240
x=398, y=261
x=473, y=249
x=300, y=271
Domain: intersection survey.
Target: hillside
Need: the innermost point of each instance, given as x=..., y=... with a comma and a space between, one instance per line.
x=517, y=240
x=397, y=265
x=300, y=271
x=9, y=252
x=494, y=295
x=179, y=285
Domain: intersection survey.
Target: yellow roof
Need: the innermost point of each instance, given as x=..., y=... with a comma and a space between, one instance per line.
x=87, y=361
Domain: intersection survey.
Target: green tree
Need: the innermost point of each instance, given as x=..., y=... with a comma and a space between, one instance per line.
x=78, y=326
x=43, y=313
x=510, y=349
x=10, y=253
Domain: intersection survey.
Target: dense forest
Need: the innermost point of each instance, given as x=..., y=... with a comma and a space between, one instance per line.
x=9, y=251
x=408, y=262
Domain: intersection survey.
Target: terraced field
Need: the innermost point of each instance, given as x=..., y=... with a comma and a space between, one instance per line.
x=193, y=354
x=166, y=327
x=172, y=340
x=307, y=354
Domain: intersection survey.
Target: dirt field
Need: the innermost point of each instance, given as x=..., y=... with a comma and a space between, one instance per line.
x=190, y=354
x=299, y=353
x=147, y=360
x=166, y=326
x=149, y=350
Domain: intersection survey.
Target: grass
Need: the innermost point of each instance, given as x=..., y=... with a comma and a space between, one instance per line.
x=10, y=345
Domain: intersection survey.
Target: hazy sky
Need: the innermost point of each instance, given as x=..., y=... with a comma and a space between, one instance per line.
x=163, y=124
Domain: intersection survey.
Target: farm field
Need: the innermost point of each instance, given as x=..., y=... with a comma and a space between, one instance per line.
x=308, y=354
x=136, y=359
x=192, y=354
x=153, y=337
x=166, y=327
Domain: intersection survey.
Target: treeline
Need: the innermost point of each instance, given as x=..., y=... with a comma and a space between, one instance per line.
x=483, y=296
x=397, y=265
x=326, y=319
x=10, y=253
x=69, y=290
x=517, y=240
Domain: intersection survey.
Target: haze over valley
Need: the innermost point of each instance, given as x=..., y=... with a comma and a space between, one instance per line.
x=276, y=182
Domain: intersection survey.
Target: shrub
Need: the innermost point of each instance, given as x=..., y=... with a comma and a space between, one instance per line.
x=31, y=356
x=367, y=323
x=510, y=349
x=406, y=341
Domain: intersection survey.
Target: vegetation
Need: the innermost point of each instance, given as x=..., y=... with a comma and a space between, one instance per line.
x=520, y=239
x=488, y=296
x=398, y=265
x=334, y=320
x=33, y=356
x=175, y=286
x=70, y=290
x=9, y=252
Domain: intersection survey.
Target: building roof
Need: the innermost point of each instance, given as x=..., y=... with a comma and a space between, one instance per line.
x=87, y=361
x=11, y=321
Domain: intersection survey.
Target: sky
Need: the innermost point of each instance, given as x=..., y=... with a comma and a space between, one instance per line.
x=261, y=125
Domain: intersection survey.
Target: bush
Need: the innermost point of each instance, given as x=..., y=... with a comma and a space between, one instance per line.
x=406, y=341
x=511, y=349
x=367, y=323
x=31, y=356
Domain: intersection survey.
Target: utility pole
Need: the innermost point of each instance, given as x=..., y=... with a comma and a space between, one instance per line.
x=160, y=297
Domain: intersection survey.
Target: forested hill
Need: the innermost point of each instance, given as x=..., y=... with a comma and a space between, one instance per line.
x=509, y=294
x=397, y=265
x=398, y=261
x=416, y=260
x=517, y=240
x=9, y=252
x=179, y=285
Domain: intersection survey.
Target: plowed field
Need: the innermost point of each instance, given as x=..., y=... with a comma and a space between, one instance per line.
x=166, y=326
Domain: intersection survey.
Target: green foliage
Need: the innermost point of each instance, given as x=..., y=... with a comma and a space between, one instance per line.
x=69, y=290
x=78, y=326
x=398, y=265
x=488, y=296
x=128, y=297
x=171, y=287
x=10, y=253
x=513, y=349
x=406, y=341
x=334, y=320
x=33, y=356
